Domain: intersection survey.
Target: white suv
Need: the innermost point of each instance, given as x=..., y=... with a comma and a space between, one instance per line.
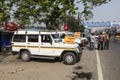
x=62, y=34
x=40, y=44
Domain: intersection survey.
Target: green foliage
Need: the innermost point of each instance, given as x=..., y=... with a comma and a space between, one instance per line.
x=47, y=11
x=4, y=11
x=73, y=24
x=89, y=5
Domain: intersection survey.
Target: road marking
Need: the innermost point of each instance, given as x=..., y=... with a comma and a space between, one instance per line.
x=99, y=68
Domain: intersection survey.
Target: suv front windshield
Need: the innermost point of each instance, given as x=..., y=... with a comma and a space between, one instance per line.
x=56, y=38
x=70, y=34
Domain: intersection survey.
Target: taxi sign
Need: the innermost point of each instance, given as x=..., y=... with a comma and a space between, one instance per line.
x=77, y=34
x=69, y=39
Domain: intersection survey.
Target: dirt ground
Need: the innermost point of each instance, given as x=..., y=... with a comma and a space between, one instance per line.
x=12, y=68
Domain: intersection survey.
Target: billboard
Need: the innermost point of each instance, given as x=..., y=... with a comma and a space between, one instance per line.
x=101, y=24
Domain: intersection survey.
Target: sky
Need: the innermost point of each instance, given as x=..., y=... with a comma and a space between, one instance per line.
x=107, y=12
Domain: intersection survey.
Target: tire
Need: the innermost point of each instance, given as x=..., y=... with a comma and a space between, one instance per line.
x=25, y=56
x=79, y=57
x=69, y=58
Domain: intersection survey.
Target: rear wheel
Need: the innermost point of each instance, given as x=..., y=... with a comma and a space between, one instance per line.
x=25, y=56
x=69, y=58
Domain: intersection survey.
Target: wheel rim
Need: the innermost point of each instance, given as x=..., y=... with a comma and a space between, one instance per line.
x=24, y=56
x=69, y=58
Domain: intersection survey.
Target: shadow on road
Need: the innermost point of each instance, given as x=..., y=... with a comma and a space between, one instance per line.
x=45, y=60
x=80, y=75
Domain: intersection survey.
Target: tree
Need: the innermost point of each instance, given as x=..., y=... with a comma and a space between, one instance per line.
x=73, y=24
x=5, y=8
x=47, y=11
x=89, y=5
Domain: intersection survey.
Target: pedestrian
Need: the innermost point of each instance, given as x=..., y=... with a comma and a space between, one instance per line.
x=92, y=41
x=100, y=41
x=106, y=41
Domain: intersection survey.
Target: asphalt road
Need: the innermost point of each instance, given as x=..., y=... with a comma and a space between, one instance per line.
x=110, y=61
x=94, y=65
x=12, y=68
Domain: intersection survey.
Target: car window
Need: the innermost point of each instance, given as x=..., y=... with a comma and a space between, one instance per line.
x=56, y=38
x=19, y=38
x=32, y=38
x=63, y=36
x=45, y=38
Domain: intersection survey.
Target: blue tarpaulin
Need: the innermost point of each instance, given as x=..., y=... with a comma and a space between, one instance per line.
x=32, y=28
x=5, y=39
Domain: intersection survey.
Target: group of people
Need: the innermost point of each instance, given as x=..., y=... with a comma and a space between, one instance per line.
x=102, y=41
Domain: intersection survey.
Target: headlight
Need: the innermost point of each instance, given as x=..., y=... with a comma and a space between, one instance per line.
x=76, y=44
x=78, y=49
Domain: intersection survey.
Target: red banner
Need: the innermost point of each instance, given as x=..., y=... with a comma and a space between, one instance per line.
x=10, y=26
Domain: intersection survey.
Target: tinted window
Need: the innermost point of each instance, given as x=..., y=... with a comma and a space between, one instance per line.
x=63, y=36
x=45, y=38
x=19, y=38
x=32, y=38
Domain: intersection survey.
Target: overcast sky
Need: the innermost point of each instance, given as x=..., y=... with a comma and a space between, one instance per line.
x=107, y=12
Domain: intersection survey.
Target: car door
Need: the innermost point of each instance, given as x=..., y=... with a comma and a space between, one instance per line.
x=33, y=43
x=19, y=42
x=46, y=46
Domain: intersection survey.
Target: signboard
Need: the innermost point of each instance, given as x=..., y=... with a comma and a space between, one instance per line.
x=77, y=34
x=98, y=24
x=102, y=24
x=65, y=27
x=69, y=39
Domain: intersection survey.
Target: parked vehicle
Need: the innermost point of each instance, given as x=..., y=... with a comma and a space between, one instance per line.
x=5, y=42
x=43, y=44
x=117, y=34
x=68, y=37
x=72, y=37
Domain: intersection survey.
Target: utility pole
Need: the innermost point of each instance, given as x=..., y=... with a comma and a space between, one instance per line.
x=79, y=18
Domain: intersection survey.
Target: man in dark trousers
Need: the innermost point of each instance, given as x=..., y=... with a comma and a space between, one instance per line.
x=106, y=41
x=100, y=41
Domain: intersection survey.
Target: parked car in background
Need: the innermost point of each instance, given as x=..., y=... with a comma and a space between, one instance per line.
x=68, y=37
x=73, y=37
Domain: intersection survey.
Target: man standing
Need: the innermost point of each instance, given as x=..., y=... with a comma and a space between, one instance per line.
x=92, y=41
x=106, y=41
x=100, y=41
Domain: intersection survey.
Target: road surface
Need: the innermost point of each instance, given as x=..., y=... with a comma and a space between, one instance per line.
x=94, y=65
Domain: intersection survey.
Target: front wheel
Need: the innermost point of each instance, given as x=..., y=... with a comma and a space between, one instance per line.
x=25, y=56
x=69, y=58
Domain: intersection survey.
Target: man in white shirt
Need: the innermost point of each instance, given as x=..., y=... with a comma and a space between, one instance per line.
x=92, y=41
